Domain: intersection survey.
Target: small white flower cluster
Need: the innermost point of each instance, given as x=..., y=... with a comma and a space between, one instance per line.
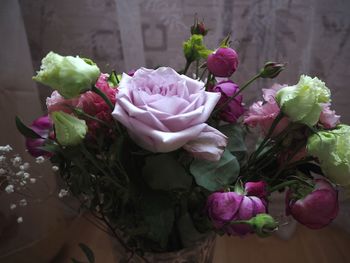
x=15, y=176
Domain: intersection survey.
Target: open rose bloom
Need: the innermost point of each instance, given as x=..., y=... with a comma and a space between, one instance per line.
x=161, y=157
x=163, y=111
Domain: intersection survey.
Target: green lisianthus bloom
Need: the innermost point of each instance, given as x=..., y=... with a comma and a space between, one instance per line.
x=69, y=130
x=303, y=102
x=332, y=148
x=69, y=75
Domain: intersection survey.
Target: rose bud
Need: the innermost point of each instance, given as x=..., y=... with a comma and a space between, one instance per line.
x=226, y=207
x=69, y=130
x=271, y=70
x=69, y=75
x=223, y=62
x=263, y=224
x=234, y=109
x=317, y=208
x=198, y=28
x=42, y=126
x=258, y=189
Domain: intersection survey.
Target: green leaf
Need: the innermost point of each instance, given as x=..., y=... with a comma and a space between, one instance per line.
x=236, y=140
x=235, y=136
x=158, y=216
x=164, y=172
x=216, y=175
x=113, y=80
x=88, y=252
x=25, y=131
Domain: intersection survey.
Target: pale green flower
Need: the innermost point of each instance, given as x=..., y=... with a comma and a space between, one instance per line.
x=68, y=75
x=332, y=148
x=69, y=130
x=302, y=102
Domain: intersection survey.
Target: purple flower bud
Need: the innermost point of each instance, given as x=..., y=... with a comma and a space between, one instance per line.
x=225, y=207
x=234, y=109
x=43, y=127
x=258, y=189
x=222, y=62
x=317, y=209
x=222, y=207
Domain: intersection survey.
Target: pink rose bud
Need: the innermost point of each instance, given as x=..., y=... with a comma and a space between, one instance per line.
x=198, y=28
x=43, y=127
x=258, y=189
x=234, y=109
x=316, y=209
x=222, y=62
x=226, y=207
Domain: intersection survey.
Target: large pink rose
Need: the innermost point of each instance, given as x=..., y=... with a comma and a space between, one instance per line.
x=163, y=111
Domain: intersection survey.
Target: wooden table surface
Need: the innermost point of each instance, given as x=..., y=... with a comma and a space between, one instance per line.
x=306, y=246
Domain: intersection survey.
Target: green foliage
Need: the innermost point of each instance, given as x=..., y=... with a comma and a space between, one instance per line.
x=159, y=217
x=26, y=131
x=164, y=172
x=236, y=144
x=214, y=176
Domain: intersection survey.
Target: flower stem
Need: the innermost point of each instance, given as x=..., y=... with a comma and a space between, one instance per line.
x=187, y=66
x=282, y=185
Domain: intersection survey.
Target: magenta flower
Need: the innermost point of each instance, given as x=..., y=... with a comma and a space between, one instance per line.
x=225, y=207
x=258, y=189
x=223, y=62
x=328, y=118
x=89, y=102
x=43, y=127
x=262, y=114
x=234, y=109
x=317, y=209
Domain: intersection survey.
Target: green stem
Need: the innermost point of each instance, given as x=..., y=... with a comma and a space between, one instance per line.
x=267, y=137
x=188, y=64
x=282, y=185
x=202, y=75
x=103, y=96
x=197, y=68
x=236, y=94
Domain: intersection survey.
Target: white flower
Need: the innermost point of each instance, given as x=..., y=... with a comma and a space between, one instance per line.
x=55, y=168
x=23, y=202
x=62, y=193
x=40, y=159
x=32, y=180
x=2, y=158
x=6, y=148
x=20, y=220
x=13, y=206
x=9, y=189
x=2, y=171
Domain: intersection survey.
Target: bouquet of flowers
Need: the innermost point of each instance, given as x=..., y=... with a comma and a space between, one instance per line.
x=161, y=158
